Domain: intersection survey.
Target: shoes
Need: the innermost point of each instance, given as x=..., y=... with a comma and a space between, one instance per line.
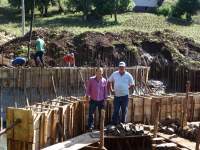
x=90, y=129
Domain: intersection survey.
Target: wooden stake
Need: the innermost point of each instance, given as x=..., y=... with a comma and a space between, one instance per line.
x=184, y=119
x=102, y=129
x=156, y=119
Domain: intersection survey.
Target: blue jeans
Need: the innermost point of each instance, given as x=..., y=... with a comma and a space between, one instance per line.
x=120, y=102
x=39, y=54
x=92, y=108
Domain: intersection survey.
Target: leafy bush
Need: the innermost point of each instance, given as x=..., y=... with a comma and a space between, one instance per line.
x=123, y=5
x=186, y=8
x=22, y=51
x=164, y=10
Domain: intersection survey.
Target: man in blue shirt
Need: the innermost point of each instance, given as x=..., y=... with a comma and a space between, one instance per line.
x=123, y=82
x=19, y=61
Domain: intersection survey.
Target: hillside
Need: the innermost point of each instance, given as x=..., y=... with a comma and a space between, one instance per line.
x=137, y=38
x=135, y=47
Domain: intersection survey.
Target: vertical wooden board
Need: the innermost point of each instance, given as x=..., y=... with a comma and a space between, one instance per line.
x=148, y=107
x=41, y=131
x=130, y=111
x=196, y=99
x=153, y=110
x=34, y=146
x=164, y=107
x=21, y=131
x=36, y=136
x=67, y=126
x=178, y=100
x=86, y=113
x=9, y=120
x=36, y=122
x=9, y=144
x=30, y=126
x=138, y=109
x=49, y=121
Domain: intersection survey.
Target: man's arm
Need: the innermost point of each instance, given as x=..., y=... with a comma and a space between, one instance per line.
x=87, y=92
x=131, y=87
x=110, y=88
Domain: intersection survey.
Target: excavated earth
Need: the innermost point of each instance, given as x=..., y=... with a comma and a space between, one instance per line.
x=92, y=48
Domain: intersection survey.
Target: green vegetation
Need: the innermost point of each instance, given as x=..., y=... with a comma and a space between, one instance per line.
x=11, y=22
x=22, y=51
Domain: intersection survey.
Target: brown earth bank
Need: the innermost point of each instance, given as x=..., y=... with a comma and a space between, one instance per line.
x=159, y=49
x=133, y=47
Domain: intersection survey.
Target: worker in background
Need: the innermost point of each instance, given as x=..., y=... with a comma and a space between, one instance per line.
x=40, y=45
x=96, y=95
x=69, y=60
x=18, y=61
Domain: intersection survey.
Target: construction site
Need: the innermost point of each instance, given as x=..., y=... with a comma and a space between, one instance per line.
x=45, y=108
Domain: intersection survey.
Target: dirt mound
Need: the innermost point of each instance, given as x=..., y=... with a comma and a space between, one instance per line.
x=136, y=48
x=4, y=37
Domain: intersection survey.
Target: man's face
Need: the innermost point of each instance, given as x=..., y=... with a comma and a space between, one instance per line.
x=99, y=72
x=121, y=68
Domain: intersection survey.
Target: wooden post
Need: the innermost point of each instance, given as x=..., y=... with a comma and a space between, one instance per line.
x=184, y=119
x=102, y=129
x=198, y=139
x=156, y=119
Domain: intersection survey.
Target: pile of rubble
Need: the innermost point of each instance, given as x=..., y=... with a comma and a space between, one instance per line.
x=173, y=126
x=127, y=129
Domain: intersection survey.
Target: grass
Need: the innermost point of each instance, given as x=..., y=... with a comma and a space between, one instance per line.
x=11, y=22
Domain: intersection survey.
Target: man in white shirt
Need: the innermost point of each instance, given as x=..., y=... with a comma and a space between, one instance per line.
x=123, y=82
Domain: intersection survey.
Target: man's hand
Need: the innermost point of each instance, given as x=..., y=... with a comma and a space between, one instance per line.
x=112, y=92
x=87, y=99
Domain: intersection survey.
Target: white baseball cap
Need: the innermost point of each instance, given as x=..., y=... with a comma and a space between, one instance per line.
x=123, y=64
x=72, y=54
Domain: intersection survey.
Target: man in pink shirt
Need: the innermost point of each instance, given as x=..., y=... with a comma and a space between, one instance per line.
x=96, y=94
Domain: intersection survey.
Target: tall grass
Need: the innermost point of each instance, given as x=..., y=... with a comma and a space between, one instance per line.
x=11, y=22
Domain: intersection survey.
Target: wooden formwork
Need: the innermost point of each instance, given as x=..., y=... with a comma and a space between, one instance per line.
x=47, y=123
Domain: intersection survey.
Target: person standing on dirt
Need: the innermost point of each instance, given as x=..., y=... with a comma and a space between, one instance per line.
x=123, y=82
x=96, y=95
x=69, y=60
x=40, y=45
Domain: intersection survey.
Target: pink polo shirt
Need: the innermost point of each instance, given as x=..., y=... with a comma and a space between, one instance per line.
x=97, y=90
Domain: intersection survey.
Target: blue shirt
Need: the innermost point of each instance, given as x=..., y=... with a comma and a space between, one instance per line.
x=19, y=60
x=121, y=83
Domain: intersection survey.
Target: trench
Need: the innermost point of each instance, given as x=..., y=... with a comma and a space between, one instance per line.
x=40, y=85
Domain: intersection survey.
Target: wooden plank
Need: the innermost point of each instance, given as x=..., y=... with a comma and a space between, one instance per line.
x=41, y=131
x=21, y=131
x=178, y=140
x=9, y=120
x=76, y=142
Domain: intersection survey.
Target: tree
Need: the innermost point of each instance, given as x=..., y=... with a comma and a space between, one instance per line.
x=42, y=5
x=187, y=8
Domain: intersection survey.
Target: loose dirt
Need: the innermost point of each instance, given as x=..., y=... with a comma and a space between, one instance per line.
x=165, y=48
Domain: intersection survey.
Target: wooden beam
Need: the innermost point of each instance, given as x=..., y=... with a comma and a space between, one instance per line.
x=10, y=126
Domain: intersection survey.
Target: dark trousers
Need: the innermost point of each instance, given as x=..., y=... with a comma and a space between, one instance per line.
x=120, y=102
x=92, y=108
x=39, y=54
